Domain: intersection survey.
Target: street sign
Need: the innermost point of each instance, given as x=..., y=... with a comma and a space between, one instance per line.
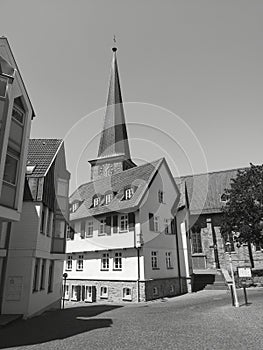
x=244, y=272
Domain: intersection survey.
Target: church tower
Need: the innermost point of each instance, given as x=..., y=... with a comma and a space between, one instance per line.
x=114, y=152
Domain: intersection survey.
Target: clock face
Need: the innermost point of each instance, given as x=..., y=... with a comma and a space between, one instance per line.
x=108, y=169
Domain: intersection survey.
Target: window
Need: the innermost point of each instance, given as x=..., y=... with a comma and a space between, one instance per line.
x=105, y=261
x=171, y=288
x=128, y=193
x=102, y=230
x=82, y=229
x=154, y=260
x=80, y=263
x=118, y=261
x=74, y=206
x=66, y=292
x=124, y=222
x=43, y=273
x=50, y=276
x=104, y=292
x=166, y=226
x=18, y=115
x=36, y=275
x=156, y=223
x=89, y=232
x=127, y=294
x=50, y=223
x=74, y=292
x=10, y=171
x=96, y=201
x=42, y=223
x=69, y=263
x=160, y=196
x=229, y=244
x=196, y=240
x=168, y=260
x=155, y=291
x=108, y=198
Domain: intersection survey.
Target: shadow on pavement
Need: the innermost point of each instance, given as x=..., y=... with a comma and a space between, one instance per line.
x=54, y=325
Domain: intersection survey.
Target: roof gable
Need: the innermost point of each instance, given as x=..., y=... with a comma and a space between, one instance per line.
x=138, y=177
x=205, y=190
x=41, y=154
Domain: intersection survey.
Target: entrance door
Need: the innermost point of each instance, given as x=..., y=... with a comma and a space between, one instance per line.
x=88, y=294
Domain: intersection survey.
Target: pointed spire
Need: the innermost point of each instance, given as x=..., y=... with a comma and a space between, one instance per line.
x=114, y=139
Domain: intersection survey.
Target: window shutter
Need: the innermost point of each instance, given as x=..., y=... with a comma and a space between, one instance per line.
x=108, y=225
x=131, y=221
x=151, y=221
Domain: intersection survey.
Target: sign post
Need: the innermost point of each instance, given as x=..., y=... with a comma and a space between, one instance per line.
x=244, y=273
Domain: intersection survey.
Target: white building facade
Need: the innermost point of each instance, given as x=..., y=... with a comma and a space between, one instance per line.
x=126, y=241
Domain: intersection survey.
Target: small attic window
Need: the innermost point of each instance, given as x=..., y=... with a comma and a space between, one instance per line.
x=128, y=193
x=74, y=206
x=96, y=201
x=108, y=198
x=30, y=169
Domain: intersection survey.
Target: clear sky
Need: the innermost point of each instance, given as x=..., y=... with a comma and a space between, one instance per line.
x=193, y=67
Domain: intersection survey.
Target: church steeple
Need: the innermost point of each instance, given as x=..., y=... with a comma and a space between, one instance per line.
x=114, y=152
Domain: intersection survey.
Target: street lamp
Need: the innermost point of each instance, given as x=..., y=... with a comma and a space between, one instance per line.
x=65, y=275
x=228, y=245
x=7, y=75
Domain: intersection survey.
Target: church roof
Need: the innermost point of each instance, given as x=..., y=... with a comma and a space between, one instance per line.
x=114, y=139
x=138, y=177
x=205, y=190
x=41, y=153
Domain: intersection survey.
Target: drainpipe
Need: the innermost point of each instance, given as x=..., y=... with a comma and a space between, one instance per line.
x=139, y=276
x=178, y=255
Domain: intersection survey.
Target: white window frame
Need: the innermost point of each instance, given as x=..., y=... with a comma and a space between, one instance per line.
x=168, y=260
x=127, y=293
x=108, y=198
x=154, y=260
x=104, y=294
x=90, y=228
x=105, y=262
x=80, y=263
x=167, y=226
x=161, y=196
x=96, y=201
x=156, y=223
x=155, y=291
x=69, y=263
x=129, y=193
x=117, y=261
x=123, y=220
x=102, y=226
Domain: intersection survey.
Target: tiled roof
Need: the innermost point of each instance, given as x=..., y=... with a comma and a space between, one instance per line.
x=139, y=177
x=114, y=139
x=41, y=153
x=205, y=190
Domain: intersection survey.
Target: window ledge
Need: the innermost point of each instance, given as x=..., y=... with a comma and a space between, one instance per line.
x=68, y=269
x=123, y=231
x=79, y=269
x=116, y=269
x=155, y=268
x=101, y=234
x=170, y=268
x=101, y=297
x=104, y=269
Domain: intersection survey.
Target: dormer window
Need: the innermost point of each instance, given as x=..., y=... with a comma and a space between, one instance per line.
x=74, y=206
x=96, y=201
x=128, y=193
x=30, y=169
x=108, y=198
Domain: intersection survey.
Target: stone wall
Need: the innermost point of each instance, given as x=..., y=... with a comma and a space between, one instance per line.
x=148, y=290
x=240, y=257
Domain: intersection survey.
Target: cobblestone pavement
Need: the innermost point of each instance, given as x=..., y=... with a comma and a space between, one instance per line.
x=203, y=320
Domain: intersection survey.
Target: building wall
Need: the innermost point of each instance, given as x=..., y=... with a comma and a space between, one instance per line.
x=240, y=256
x=27, y=244
x=11, y=211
